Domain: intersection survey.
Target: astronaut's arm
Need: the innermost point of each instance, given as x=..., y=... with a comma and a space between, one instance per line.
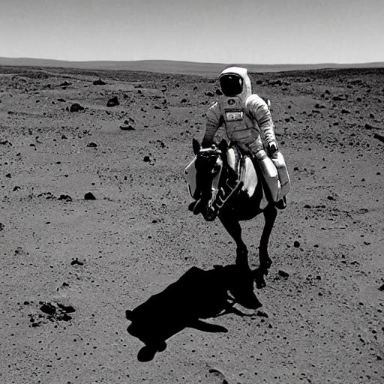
x=212, y=125
x=260, y=111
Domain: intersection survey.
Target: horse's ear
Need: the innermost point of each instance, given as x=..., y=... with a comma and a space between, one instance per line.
x=223, y=146
x=196, y=146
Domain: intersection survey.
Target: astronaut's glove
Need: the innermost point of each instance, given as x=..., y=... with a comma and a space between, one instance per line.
x=272, y=149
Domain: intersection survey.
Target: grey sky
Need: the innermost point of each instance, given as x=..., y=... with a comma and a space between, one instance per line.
x=227, y=31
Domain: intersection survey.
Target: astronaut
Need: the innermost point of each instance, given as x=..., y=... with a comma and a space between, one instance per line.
x=248, y=124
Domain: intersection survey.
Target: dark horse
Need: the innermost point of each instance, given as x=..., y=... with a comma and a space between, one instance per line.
x=220, y=191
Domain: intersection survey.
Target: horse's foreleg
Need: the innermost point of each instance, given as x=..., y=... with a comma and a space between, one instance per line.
x=270, y=214
x=234, y=229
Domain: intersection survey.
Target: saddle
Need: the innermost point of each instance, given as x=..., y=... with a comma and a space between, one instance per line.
x=244, y=176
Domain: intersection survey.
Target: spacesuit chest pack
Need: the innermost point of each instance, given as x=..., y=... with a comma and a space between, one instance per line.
x=240, y=128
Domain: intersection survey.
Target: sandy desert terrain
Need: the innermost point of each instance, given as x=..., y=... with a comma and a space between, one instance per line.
x=71, y=265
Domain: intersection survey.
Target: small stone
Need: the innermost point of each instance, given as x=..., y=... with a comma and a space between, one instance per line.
x=66, y=308
x=381, y=288
x=76, y=262
x=65, y=198
x=128, y=127
x=92, y=145
x=76, y=108
x=48, y=308
x=283, y=274
x=296, y=244
x=89, y=196
x=113, y=102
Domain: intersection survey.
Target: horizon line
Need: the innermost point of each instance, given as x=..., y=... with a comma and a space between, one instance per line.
x=189, y=62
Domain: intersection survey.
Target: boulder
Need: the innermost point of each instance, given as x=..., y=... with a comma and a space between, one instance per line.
x=76, y=108
x=113, y=102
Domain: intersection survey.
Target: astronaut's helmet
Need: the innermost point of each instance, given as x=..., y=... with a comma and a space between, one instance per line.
x=235, y=83
x=231, y=84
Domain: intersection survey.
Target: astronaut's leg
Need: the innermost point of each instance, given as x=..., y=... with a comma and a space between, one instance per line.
x=270, y=174
x=282, y=171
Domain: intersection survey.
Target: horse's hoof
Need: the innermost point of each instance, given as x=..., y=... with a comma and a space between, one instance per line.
x=259, y=279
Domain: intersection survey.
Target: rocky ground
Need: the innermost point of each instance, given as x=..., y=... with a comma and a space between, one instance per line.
x=94, y=221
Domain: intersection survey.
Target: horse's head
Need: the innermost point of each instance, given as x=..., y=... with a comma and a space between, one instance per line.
x=209, y=166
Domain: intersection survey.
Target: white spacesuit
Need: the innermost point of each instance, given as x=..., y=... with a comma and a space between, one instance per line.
x=248, y=123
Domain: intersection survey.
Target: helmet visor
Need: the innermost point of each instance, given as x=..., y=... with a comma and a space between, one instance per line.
x=231, y=84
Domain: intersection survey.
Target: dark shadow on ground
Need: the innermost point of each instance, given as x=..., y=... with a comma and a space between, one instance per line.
x=197, y=295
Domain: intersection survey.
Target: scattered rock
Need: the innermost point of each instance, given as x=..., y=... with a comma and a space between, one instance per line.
x=65, y=84
x=275, y=82
x=76, y=108
x=209, y=94
x=381, y=288
x=66, y=308
x=128, y=127
x=76, y=262
x=379, y=137
x=65, y=198
x=89, y=196
x=92, y=145
x=146, y=159
x=2, y=227
x=48, y=308
x=113, y=102
x=296, y=244
x=47, y=195
x=99, y=82
x=283, y=274
x=56, y=311
x=339, y=98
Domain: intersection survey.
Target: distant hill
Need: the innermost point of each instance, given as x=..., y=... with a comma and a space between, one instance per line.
x=169, y=66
